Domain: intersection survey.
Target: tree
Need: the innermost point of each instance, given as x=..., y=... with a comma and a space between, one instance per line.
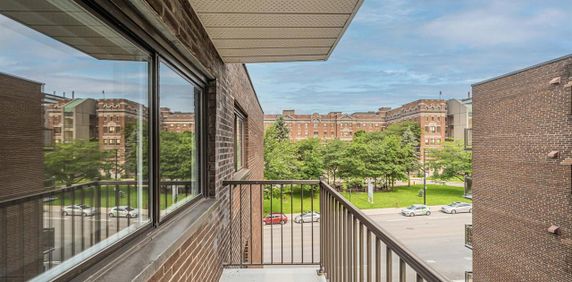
x=177, y=155
x=333, y=154
x=70, y=163
x=451, y=161
x=281, y=131
x=309, y=156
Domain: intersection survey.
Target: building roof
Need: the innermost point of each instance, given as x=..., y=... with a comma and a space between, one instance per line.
x=252, y=31
x=71, y=105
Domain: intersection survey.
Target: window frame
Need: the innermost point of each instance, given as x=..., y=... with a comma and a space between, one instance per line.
x=240, y=117
x=125, y=19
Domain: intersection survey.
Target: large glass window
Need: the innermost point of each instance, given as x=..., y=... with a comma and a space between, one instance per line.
x=178, y=142
x=71, y=182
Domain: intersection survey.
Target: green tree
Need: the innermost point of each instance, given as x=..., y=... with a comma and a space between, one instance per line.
x=177, y=155
x=281, y=131
x=333, y=154
x=309, y=156
x=71, y=163
x=280, y=155
x=450, y=161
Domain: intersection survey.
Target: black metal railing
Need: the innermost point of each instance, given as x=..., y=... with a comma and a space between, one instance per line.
x=468, y=185
x=42, y=230
x=469, y=236
x=355, y=248
x=468, y=139
x=344, y=242
x=273, y=223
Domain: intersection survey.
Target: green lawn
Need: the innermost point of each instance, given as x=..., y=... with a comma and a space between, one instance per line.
x=401, y=197
x=404, y=196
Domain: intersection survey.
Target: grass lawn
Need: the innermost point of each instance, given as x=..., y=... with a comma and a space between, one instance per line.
x=404, y=196
x=401, y=197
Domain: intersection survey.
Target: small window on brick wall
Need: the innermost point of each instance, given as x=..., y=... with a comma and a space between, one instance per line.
x=239, y=140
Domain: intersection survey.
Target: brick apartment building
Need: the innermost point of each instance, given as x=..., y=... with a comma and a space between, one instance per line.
x=430, y=114
x=334, y=125
x=522, y=179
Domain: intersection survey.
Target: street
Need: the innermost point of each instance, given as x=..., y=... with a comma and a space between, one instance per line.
x=438, y=239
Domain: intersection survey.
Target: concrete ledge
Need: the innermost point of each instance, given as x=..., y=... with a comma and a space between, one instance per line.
x=141, y=258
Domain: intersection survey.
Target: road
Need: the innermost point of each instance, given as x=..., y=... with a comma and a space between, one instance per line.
x=438, y=239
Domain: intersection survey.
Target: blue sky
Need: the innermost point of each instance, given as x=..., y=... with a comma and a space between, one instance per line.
x=396, y=51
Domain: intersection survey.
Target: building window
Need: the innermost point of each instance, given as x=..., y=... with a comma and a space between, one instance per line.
x=60, y=46
x=111, y=129
x=239, y=140
x=178, y=150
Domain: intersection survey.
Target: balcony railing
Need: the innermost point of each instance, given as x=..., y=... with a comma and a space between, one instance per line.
x=332, y=234
x=468, y=276
x=43, y=230
x=468, y=139
x=469, y=236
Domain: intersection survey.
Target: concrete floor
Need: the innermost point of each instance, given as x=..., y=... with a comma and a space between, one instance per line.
x=273, y=274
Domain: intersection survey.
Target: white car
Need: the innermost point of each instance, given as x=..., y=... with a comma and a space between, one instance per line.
x=307, y=217
x=414, y=210
x=82, y=210
x=457, y=207
x=123, y=211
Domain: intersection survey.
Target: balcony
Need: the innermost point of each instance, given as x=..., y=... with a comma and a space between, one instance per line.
x=324, y=233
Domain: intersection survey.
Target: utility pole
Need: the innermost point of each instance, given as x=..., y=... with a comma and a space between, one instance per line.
x=424, y=179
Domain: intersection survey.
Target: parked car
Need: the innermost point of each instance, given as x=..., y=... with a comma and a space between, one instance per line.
x=307, y=217
x=275, y=218
x=456, y=207
x=414, y=210
x=82, y=210
x=123, y=211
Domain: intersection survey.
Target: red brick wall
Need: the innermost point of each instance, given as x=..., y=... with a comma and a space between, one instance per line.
x=518, y=192
x=202, y=259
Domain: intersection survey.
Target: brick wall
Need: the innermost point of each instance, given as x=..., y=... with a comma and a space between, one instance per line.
x=21, y=173
x=518, y=192
x=201, y=258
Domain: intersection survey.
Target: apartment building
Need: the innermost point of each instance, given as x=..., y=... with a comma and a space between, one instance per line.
x=430, y=114
x=459, y=118
x=522, y=178
x=334, y=125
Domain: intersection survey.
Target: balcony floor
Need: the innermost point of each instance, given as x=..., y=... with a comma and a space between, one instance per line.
x=273, y=274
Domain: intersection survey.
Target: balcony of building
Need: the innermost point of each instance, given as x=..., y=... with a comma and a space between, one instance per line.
x=322, y=238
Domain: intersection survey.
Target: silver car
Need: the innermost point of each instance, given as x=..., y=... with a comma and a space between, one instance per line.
x=414, y=210
x=457, y=207
x=307, y=217
x=123, y=211
x=82, y=210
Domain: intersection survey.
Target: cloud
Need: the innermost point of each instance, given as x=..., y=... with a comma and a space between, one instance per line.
x=498, y=23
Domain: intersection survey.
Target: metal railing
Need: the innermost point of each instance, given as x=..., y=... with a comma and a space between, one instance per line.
x=344, y=242
x=469, y=236
x=266, y=226
x=40, y=231
x=468, y=139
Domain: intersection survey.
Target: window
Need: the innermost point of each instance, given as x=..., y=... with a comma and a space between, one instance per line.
x=239, y=140
x=111, y=129
x=178, y=149
x=59, y=46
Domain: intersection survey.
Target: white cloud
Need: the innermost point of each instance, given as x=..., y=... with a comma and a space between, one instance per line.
x=499, y=23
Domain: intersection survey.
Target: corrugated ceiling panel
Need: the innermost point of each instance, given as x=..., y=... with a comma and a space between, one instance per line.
x=274, y=6
x=271, y=20
x=264, y=59
x=272, y=43
x=273, y=52
x=276, y=33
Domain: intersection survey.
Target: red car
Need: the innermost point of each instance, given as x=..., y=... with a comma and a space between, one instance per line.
x=275, y=218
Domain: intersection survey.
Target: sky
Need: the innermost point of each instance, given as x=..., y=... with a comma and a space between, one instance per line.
x=397, y=51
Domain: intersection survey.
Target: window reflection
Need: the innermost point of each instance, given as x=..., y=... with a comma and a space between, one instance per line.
x=178, y=139
x=73, y=111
